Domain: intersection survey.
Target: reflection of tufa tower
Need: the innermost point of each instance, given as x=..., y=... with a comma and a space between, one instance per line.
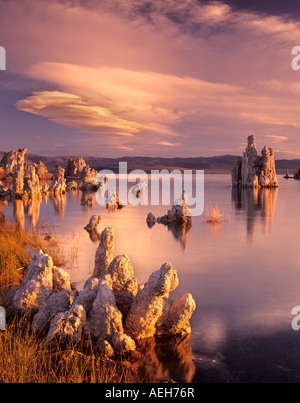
x=253, y=170
x=258, y=205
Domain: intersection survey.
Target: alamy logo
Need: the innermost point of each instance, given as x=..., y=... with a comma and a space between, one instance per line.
x=2, y=58
x=2, y=318
x=163, y=185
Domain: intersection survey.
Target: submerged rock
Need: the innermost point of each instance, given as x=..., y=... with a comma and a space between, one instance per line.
x=151, y=220
x=253, y=170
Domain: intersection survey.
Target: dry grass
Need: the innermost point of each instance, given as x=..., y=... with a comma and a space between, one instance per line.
x=26, y=359
x=215, y=215
x=17, y=246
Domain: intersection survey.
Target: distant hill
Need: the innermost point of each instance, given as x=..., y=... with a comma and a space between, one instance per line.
x=219, y=163
x=222, y=163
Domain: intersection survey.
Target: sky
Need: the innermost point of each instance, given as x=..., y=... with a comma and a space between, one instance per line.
x=160, y=78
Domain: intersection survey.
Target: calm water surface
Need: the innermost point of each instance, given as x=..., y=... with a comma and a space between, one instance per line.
x=244, y=276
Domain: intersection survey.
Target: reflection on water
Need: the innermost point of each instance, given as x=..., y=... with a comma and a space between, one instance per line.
x=167, y=358
x=94, y=235
x=244, y=291
x=32, y=209
x=178, y=230
x=259, y=204
x=59, y=202
x=19, y=213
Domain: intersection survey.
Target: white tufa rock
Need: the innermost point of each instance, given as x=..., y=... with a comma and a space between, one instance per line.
x=59, y=184
x=88, y=294
x=32, y=183
x=104, y=253
x=105, y=317
x=253, y=170
x=124, y=283
x=61, y=279
x=45, y=291
x=107, y=304
x=179, y=314
x=149, y=302
x=179, y=214
x=57, y=302
x=18, y=176
x=37, y=285
x=68, y=325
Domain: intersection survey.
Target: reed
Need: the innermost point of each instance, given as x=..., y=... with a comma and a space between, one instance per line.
x=215, y=215
x=17, y=246
x=25, y=358
x=14, y=255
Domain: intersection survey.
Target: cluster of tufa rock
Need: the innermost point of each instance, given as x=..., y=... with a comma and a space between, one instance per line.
x=253, y=170
x=180, y=213
x=111, y=310
x=26, y=176
x=77, y=170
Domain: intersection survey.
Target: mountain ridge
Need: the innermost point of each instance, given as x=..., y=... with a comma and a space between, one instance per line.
x=222, y=163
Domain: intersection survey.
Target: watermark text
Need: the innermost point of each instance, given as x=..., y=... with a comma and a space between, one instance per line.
x=2, y=58
x=154, y=189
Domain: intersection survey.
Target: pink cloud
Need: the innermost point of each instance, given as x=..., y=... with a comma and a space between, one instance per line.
x=160, y=71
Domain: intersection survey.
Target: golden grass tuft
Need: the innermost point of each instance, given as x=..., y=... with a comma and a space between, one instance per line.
x=215, y=215
x=17, y=246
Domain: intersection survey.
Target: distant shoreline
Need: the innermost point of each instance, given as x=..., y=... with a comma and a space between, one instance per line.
x=213, y=165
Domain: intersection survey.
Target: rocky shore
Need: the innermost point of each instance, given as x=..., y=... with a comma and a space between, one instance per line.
x=112, y=311
x=27, y=178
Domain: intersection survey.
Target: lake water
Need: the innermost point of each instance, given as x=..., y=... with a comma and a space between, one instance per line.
x=244, y=275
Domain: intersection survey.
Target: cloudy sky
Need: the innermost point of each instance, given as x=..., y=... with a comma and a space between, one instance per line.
x=149, y=77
